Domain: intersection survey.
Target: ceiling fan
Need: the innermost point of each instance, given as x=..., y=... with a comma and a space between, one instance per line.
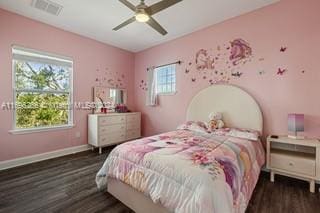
x=143, y=13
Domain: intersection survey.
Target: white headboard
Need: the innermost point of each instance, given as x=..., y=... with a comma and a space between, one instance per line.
x=239, y=109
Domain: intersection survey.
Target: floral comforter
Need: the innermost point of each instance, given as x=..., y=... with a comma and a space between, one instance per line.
x=188, y=171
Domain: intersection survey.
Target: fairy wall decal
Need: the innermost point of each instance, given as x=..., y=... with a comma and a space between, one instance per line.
x=219, y=64
x=240, y=50
x=204, y=60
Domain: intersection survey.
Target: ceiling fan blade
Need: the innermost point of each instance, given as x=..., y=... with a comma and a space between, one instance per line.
x=129, y=21
x=128, y=4
x=155, y=25
x=164, y=4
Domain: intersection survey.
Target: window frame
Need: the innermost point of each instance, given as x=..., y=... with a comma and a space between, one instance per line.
x=70, y=123
x=173, y=92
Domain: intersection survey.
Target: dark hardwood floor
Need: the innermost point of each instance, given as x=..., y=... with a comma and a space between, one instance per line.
x=285, y=195
x=67, y=184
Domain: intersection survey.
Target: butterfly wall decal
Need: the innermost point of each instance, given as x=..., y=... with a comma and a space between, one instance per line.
x=281, y=71
x=237, y=74
x=193, y=80
x=283, y=49
x=187, y=71
x=143, y=85
x=262, y=72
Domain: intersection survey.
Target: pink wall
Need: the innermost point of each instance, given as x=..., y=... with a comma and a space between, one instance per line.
x=88, y=55
x=291, y=23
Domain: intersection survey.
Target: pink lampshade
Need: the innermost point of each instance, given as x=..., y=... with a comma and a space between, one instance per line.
x=296, y=122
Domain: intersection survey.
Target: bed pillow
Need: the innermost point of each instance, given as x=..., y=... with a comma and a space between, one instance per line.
x=197, y=126
x=238, y=133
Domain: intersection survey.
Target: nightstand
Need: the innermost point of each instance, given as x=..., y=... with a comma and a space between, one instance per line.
x=294, y=158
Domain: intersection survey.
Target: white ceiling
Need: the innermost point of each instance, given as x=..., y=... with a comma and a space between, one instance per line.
x=96, y=18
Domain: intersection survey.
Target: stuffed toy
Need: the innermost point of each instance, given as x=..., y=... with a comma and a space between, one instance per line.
x=216, y=121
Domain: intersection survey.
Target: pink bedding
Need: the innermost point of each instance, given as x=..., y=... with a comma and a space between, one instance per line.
x=188, y=171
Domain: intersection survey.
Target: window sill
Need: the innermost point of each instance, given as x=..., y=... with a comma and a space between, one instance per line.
x=169, y=93
x=40, y=129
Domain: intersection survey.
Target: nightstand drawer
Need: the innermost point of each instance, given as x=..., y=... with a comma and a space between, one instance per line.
x=293, y=164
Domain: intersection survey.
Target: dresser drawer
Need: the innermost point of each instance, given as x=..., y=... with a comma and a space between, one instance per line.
x=112, y=129
x=294, y=164
x=111, y=138
x=133, y=134
x=110, y=120
x=133, y=118
x=133, y=125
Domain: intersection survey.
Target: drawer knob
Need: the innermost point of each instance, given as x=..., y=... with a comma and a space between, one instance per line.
x=290, y=164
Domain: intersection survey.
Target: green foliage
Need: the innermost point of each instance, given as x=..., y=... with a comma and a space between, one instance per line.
x=41, y=109
x=38, y=110
x=31, y=75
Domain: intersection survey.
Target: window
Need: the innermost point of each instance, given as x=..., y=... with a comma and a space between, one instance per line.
x=166, y=79
x=42, y=89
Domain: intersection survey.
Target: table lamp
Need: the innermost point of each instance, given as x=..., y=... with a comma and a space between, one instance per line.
x=295, y=125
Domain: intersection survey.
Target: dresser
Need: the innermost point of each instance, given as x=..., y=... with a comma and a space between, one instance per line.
x=294, y=158
x=114, y=128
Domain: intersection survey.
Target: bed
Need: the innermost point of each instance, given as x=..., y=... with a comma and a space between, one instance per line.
x=189, y=169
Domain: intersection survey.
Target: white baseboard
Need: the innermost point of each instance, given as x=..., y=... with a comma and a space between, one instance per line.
x=43, y=156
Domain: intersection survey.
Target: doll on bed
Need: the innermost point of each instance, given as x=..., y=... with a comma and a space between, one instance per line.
x=216, y=121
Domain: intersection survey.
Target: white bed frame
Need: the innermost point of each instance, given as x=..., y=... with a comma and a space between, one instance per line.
x=239, y=110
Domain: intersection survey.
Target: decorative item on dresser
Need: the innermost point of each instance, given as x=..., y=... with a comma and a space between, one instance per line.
x=294, y=158
x=108, y=99
x=113, y=128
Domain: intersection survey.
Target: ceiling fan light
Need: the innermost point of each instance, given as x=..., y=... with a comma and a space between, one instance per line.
x=142, y=17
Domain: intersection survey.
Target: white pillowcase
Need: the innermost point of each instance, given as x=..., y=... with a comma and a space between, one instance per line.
x=197, y=126
x=238, y=133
